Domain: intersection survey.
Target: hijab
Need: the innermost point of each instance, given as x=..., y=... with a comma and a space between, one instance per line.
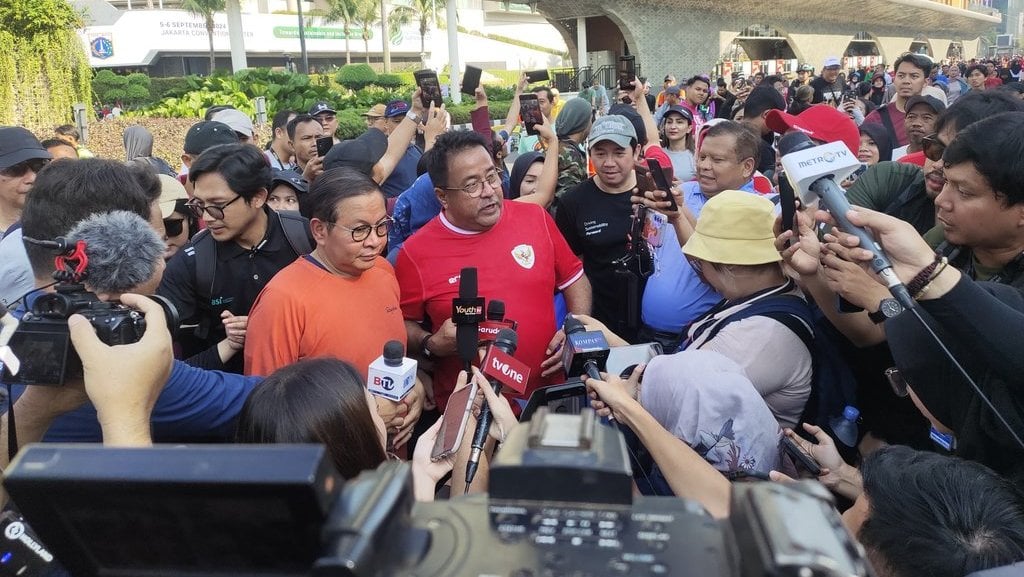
x=880, y=135
x=137, y=142
x=706, y=400
x=519, y=169
x=574, y=117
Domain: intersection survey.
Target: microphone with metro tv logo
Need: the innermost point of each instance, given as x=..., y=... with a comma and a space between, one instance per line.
x=500, y=367
x=393, y=374
x=494, y=322
x=467, y=312
x=584, y=351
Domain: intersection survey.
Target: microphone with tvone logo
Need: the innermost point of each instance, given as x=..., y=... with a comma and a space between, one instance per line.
x=813, y=170
x=494, y=322
x=584, y=351
x=393, y=374
x=467, y=312
x=500, y=367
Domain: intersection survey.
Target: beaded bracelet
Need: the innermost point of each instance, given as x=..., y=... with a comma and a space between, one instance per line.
x=927, y=286
x=922, y=278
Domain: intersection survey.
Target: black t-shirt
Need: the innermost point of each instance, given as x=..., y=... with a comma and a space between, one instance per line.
x=825, y=92
x=767, y=160
x=596, y=225
x=240, y=276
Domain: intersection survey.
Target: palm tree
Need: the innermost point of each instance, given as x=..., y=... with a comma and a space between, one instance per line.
x=343, y=11
x=427, y=11
x=206, y=9
x=367, y=16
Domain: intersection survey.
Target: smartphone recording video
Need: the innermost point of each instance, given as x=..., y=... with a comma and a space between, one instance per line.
x=430, y=88
x=323, y=145
x=453, y=428
x=529, y=113
x=627, y=72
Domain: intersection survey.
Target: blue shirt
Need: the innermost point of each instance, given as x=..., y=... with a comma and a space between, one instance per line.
x=413, y=209
x=675, y=295
x=404, y=174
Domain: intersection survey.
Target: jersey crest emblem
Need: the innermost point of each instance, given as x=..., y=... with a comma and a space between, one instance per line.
x=524, y=256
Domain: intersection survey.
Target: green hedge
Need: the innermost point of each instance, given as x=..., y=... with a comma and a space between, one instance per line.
x=168, y=87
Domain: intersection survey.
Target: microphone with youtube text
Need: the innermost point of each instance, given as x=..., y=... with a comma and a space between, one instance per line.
x=813, y=170
x=500, y=367
x=467, y=312
x=109, y=253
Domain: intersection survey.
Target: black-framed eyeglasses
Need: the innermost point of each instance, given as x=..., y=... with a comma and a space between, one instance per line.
x=325, y=118
x=19, y=170
x=475, y=189
x=932, y=147
x=362, y=232
x=174, y=226
x=215, y=211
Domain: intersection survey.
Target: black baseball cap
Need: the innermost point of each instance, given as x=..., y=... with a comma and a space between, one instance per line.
x=928, y=100
x=207, y=134
x=290, y=178
x=18, y=145
x=360, y=153
x=322, y=106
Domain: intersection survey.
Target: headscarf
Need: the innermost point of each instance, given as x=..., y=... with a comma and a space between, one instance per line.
x=706, y=400
x=880, y=135
x=137, y=142
x=522, y=165
x=574, y=117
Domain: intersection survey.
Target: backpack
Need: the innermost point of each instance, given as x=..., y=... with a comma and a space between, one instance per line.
x=833, y=385
x=295, y=228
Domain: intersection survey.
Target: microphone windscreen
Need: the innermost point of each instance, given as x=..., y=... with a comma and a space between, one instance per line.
x=495, y=310
x=467, y=283
x=572, y=325
x=794, y=141
x=507, y=340
x=123, y=250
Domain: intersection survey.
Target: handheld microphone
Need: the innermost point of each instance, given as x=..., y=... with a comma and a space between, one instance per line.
x=392, y=375
x=494, y=322
x=813, y=171
x=585, y=351
x=122, y=248
x=467, y=312
x=500, y=367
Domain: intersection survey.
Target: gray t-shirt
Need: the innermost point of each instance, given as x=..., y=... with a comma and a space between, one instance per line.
x=15, y=271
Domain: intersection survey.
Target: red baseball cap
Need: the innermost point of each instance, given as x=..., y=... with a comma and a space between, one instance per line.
x=820, y=122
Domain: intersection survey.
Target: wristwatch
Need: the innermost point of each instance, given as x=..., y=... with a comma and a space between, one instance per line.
x=412, y=116
x=423, y=346
x=887, y=309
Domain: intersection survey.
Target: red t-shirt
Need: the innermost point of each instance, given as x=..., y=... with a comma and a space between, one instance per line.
x=522, y=260
x=993, y=82
x=898, y=123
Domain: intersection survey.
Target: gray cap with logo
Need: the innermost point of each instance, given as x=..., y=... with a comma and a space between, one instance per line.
x=615, y=128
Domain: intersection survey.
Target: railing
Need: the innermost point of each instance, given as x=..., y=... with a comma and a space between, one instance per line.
x=570, y=79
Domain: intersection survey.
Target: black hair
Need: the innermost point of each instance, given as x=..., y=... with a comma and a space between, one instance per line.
x=215, y=109
x=940, y=516
x=243, y=166
x=422, y=164
x=975, y=106
x=698, y=78
x=917, y=60
x=280, y=121
x=769, y=80
x=979, y=67
x=54, y=142
x=66, y=193
x=748, y=144
x=445, y=148
x=68, y=130
x=315, y=401
x=762, y=99
x=546, y=90
x=1013, y=88
x=332, y=187
x=299, y=119
x=996, y=149
x=147, y=178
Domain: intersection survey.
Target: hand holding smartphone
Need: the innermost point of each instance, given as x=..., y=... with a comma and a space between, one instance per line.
x=529, y=113
x=627, y=72
x=471, y=80
x=800, y=457
x=430, y=88
x=323, y=145
x=661, y=181
x=537, y=76
x=453, y=425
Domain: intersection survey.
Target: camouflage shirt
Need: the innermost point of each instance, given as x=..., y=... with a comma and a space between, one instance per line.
x=572, y=166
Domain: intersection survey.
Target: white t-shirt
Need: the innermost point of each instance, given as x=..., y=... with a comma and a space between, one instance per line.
x=684, y=167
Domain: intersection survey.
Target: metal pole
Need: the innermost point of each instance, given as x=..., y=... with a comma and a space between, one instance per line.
x=236, y=36
x=581, y=42
x=302, y=40
x=386, y=37
x=453, y=53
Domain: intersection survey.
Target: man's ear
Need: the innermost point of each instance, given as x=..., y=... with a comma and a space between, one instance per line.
x=320, y=230
x=259, y=199
x=442, y=196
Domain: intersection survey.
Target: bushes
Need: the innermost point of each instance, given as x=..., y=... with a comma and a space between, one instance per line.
x=356, y=76
x=109, y=88
x=392, y=81
x=350, y=124
x=161, y=88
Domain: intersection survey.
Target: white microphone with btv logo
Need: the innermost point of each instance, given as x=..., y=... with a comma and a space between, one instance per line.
x=392, y=375
x=813, y=171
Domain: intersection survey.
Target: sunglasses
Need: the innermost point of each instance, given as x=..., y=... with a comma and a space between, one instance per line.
x=932, y=147
x=174, y=226
x=19, y=170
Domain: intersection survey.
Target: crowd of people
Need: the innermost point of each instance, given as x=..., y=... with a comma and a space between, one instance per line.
x=293, y=264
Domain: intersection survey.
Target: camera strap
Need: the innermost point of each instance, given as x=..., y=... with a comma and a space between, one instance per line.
x=12, y=430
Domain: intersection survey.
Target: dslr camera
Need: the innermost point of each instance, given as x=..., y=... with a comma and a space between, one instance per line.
x=42, y=341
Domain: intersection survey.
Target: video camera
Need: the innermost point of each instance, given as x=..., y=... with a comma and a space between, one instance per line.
x=561, y=503
x=42, y=341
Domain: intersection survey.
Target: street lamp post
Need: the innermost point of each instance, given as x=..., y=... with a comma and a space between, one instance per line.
x=302, y=40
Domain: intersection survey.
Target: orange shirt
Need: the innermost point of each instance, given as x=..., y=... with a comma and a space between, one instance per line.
x=306, y=311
